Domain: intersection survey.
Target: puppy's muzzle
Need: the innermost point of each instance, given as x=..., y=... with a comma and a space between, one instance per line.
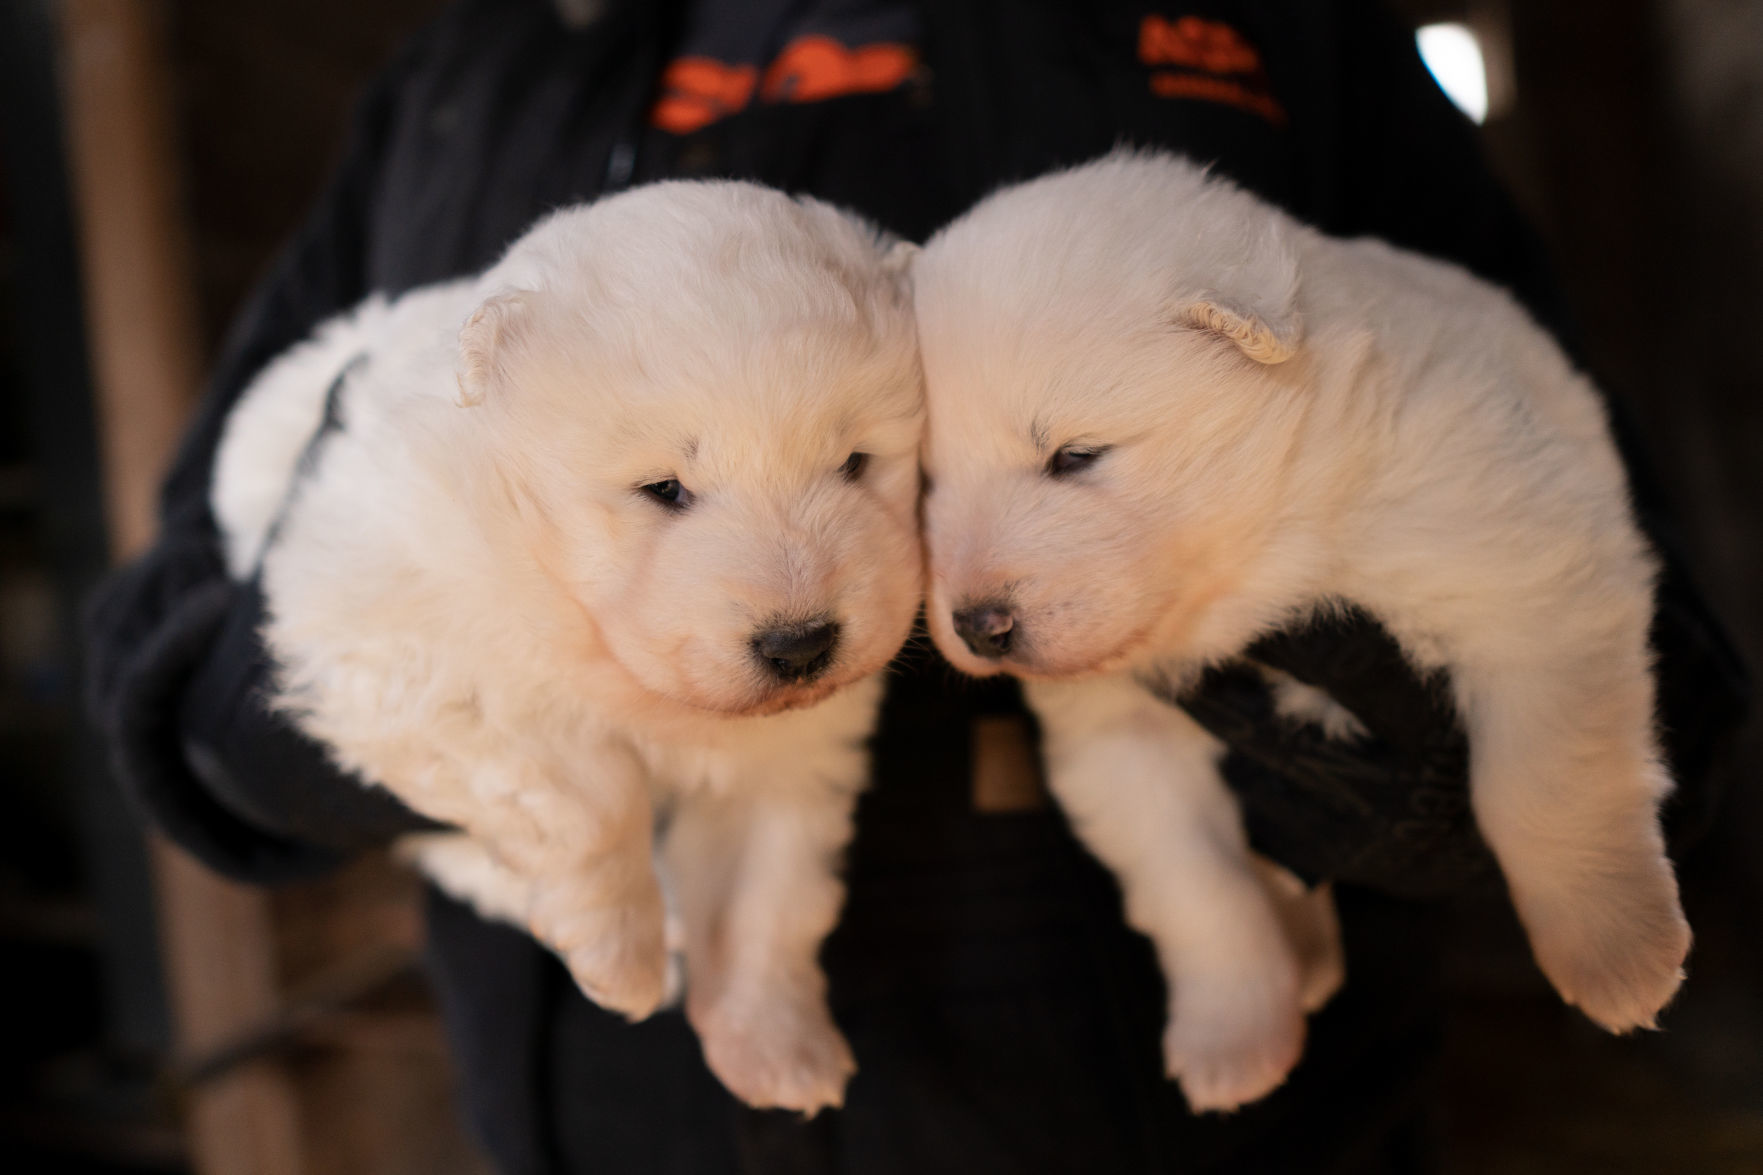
x=987, y=629
x=797, y=652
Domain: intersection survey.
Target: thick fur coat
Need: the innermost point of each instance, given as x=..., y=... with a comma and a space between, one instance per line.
x=1165, y=419
x=601, y=568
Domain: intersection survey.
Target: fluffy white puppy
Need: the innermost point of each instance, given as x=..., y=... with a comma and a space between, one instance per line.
x=1165, y=419
x=611, y=545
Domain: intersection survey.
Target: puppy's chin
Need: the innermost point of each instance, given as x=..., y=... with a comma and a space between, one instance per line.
x=956, y=654
x=1053, y=666
x=753, y=704
x=763, y=700
x=1033, y=668
x=789, y=698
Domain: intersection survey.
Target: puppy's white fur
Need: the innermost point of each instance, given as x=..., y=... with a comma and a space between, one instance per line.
x=1285, y=421
x=474, y=602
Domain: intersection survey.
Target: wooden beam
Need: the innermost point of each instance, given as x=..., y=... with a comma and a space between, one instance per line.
x=147, y=366
x=140, y=299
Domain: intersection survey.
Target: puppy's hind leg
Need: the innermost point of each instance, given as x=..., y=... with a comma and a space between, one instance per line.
x=1139, y=780
x=756, y=882
x=1566, y=783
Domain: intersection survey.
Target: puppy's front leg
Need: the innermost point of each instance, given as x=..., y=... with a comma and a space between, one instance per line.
x=1140, y=782
x=583, y=838
x=755, y=874
x=1566, y=782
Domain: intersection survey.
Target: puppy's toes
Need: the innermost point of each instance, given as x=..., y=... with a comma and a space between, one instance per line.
x=624, y=971
x=1614, y=949
x=778, y=1054
x=1230, y=1044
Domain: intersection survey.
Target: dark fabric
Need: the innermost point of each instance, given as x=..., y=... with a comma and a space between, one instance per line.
x=1003, y=1018
x=1390, y=809
x=173, y=617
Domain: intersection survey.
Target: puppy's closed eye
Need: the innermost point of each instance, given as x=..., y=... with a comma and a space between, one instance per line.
x=852, y=469
x=1073, y=459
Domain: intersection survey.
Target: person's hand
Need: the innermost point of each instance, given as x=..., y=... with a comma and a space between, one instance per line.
x=1389, y=809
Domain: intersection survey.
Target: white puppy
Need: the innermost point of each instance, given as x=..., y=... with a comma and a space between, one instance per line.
x=613, y=539
x=1165, y=419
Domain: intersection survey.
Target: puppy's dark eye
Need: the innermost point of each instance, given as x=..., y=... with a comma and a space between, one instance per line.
x=852, y=469
x=1074, y=459
x=669, y=493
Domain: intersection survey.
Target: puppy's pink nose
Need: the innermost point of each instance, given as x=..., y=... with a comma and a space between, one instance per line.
x=986, y=629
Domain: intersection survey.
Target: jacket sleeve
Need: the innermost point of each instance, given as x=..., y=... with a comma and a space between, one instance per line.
x=1392, y=810
x=176, y=673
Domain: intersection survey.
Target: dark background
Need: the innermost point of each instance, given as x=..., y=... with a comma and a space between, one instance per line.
x=1631, y=132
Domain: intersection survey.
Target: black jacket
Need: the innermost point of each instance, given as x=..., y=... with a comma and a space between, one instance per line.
x=1002, y=1017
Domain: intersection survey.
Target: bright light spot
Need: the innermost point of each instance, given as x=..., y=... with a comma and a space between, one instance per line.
x=1453, y=55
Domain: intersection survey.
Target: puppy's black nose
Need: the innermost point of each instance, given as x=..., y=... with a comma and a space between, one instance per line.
x=986, y=629
x=797, y=652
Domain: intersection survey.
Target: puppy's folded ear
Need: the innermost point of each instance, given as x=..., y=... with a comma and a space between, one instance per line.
x=1253, y=298
x=484, y=342
x=1261, y=339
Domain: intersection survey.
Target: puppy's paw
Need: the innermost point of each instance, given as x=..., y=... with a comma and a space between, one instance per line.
x=623, y=969
x=777, y=1053
x=617, y=953
x=1232, y=1042
x=1613, y=948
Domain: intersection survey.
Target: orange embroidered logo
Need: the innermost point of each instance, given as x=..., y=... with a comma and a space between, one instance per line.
x=1229, y=68
x=813, y=69
x=1202, y=44
x=697, y=91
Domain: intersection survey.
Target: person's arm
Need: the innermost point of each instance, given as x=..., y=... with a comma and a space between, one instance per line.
x=177, y=675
